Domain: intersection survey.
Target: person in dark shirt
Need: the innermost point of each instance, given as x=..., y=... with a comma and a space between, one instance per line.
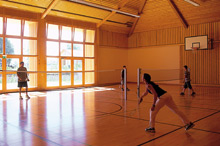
x=187, y=80
x=22, y=79
x=161, y=98
x=122, y=79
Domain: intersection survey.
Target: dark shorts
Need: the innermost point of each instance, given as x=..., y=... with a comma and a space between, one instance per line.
x=187, y=85
x=22, y=84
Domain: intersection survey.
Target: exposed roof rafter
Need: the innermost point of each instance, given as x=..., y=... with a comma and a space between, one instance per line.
x=178, y=13
x=120, y=5
x=52, y=4
x=140, y=11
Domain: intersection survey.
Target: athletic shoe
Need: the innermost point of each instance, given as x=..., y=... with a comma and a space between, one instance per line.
x=189, y=126
x=193, y=93
x=28, y=97
x=182, y=93
x=151, y=130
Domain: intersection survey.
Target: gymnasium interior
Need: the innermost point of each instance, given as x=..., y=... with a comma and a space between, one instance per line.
x=74, y=52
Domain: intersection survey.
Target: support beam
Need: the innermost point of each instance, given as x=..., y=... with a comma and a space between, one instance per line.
x=178, y=13
x=52, y=4
x=140, y=11
x=120, y=5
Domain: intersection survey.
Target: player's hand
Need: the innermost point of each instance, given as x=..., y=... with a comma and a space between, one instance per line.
x=140, y=100
x=152, y=108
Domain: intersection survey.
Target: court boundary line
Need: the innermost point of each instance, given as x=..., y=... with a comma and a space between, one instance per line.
x=177, y=129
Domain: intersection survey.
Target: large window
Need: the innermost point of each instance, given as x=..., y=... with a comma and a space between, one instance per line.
x=18, y=42
x=70, y=55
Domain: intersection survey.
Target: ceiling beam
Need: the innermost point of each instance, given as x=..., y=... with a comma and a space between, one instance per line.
x=178, y=13
x=52, y=4
x=120, y=5
x=140, y=11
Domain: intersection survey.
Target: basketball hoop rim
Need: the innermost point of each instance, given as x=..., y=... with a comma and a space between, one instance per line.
x=195, y=48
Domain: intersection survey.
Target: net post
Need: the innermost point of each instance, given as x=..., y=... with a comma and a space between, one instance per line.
x=138, y=82
x=125, y=83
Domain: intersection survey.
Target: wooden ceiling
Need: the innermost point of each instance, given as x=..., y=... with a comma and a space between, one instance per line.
x=156, y=14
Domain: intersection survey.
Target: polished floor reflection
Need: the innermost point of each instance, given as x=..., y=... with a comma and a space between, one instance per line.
x=100, y=116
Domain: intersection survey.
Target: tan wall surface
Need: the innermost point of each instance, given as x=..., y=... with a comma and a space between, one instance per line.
x=157, y=57
x=110, y=58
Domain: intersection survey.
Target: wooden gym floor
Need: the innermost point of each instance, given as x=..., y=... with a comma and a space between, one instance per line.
x=100, y=117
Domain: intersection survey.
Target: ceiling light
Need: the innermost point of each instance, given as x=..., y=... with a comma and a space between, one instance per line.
x=193, y=3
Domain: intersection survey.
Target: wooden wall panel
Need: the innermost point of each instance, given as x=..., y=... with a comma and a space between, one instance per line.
x=204, y=64
x=113, y=39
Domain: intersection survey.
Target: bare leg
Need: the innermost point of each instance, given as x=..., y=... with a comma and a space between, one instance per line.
x=172, y=106
x=20, y=92
x=159, y=104
x=27, y=91
x=183, y=91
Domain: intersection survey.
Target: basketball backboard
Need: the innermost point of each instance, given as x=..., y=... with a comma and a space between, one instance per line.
x=200, y=42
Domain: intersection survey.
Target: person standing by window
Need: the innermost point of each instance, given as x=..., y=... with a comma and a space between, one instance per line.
x=22, y=79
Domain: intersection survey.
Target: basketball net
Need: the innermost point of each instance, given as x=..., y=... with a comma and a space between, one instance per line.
x=194, y=49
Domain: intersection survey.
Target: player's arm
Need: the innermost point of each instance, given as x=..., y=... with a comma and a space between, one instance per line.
x=18, y=74
x=155, y=96
x=143, y=95
x=26, y=75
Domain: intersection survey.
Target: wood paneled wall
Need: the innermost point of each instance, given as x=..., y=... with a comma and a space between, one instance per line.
x=204, y=64
x=173, y=35
x=113, y=39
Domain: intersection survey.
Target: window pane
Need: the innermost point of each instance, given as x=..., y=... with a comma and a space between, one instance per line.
x=30, y=29
x=53, y=31
x=77, y=65
x=89, y=50
x=89, y=78
x=33, y=80
x=13, y=46
x=66, y=65
x=52, y=48
x=77, y=78
x=52, y=64
x=29, y=47
x=12, y=81
x=65, y=49
x=52, y=79
x=1, y=25
x=78, y=35
x=66, y=78
x=66, y=33
x=12, y=63
x=0, y=64
x=30, y=63
x=78, y=50
x=90, y=36
x=89, y=64
x=13, y=27
x=1, y=45
x=0, y=81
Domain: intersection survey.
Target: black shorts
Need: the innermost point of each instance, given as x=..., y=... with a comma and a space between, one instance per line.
x=22, y=84
x=187, y=84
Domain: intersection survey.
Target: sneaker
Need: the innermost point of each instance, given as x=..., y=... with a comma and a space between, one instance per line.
x=189, y=126
x=193, y=93
x=182, y=93
x=151, y=130
x=28, y=97
x=20, y=97
x=122, y=89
